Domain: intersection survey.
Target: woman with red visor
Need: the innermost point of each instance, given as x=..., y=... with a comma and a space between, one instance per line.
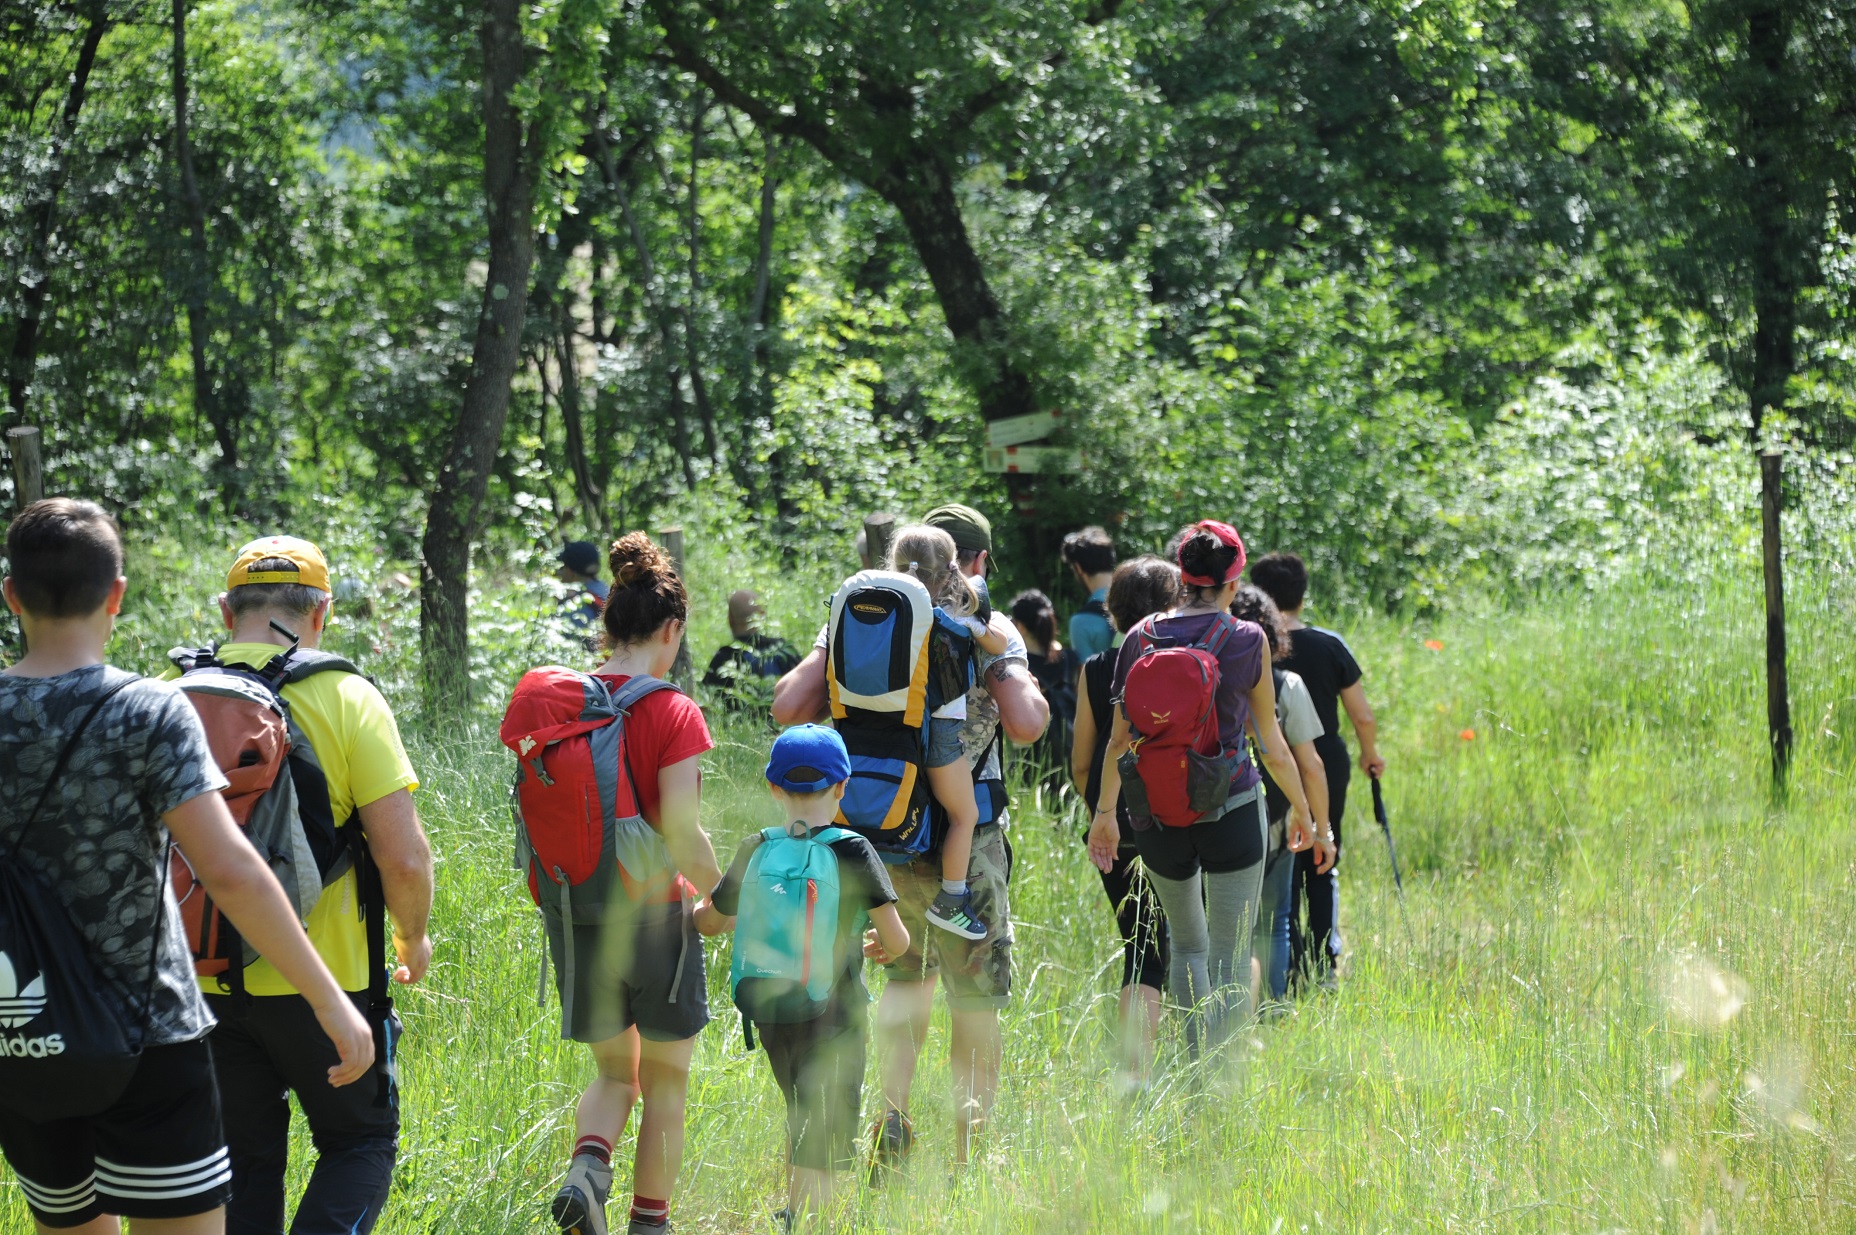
x=1208, y=874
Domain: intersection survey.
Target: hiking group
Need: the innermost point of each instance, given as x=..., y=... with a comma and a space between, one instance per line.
x=214, y=862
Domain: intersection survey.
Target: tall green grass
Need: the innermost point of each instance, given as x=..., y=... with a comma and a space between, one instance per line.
x=1619, y=998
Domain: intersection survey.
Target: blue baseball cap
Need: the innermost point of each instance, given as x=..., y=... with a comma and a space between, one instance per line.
x=808, y=759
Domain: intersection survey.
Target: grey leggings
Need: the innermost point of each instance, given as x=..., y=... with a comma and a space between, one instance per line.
x=1208, y=915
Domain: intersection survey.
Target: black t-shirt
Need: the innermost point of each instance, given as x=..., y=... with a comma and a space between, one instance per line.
x=863, y=885
x=752, y=655
x=1098, y=690
x=1327, y=667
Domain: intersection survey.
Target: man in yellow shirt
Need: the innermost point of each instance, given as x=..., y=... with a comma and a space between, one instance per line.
x=267, y=1044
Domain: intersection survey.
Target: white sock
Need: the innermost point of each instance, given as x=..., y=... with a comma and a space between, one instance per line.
x=954, y=887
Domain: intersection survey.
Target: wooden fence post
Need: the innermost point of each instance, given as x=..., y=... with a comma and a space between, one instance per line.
x=28, y=467
x=671, y=538
x=1778, y=689
x=879, y=530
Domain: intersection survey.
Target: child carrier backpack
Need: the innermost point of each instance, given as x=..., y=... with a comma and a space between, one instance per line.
x=579, y=827
x=786, y=958
x=277, y=793
x=877, y=673
x=68, y=1042
x=1177, y=771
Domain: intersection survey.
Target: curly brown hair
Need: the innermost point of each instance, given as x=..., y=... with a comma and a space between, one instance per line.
x=1253, y=604
x=1142, y=586
x=646, y=591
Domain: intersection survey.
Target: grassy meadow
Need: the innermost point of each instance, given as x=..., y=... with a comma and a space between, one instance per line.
x=1621, y=1001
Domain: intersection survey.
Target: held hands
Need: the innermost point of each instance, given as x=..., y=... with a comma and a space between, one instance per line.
x=1104, y=839
x=415, y=958
x=353, y=1040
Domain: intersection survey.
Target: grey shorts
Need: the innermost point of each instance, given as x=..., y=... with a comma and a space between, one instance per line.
x=643, y=967
x=944, y=741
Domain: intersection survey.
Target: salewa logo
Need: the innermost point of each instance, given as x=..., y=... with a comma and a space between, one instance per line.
x=1160, y=718
x=525, y=746
x=17, y=1007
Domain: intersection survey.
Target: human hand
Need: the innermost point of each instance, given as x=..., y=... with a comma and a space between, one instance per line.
x=1326, y=851
x=708, y=919
x=873, y=948
x=415, y=957
x=1104, y=839
x=1372, y=764
x=354, y=1041
x=1299, y=837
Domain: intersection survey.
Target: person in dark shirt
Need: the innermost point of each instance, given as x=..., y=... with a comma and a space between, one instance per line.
x=579, y=569
x=746, y=667
x=1333, y=678
x=819, y=1063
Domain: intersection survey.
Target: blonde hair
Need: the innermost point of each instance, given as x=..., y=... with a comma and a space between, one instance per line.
x=929, y=554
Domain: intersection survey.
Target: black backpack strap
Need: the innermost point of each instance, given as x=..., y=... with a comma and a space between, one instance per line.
x=379, y=1002
x=302, y=663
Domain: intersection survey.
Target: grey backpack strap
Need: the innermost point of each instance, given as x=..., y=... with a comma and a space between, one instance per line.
x=636, y=688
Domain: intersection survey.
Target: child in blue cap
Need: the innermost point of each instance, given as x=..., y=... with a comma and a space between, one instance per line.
x=811, y=1020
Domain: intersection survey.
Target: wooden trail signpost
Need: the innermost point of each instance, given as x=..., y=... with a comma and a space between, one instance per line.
x=22, y=443
x=1011, y=447
x=879, y=530
x=680, y=672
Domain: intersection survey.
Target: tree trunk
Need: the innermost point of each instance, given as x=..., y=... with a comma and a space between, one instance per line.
x=698, y=387
x=1775, y=262
x=456, y=513
x=199, y=263
x=572, y=423
x=660, y=312
x=43, y=222
x=921, y=186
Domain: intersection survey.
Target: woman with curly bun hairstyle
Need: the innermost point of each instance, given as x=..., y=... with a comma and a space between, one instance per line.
x=1208, y=875
x=643, y=993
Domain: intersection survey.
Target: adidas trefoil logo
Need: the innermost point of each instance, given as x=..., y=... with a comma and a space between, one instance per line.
x=18, y=1007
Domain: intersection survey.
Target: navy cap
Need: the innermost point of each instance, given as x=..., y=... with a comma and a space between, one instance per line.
x=581, y=557
x=808, y=759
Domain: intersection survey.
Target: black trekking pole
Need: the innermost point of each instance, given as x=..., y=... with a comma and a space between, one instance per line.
x=1385, y=826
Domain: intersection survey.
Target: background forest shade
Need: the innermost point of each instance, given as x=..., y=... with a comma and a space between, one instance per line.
x=1456, y=298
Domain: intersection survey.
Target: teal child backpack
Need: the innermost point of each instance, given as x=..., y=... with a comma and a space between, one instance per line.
x=786, y=928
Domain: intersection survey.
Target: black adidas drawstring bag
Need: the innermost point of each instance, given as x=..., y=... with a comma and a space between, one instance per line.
x=68, y=1045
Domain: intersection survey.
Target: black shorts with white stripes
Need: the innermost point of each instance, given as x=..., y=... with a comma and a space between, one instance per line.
x=158, y=1152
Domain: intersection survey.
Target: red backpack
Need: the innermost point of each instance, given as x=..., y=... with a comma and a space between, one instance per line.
x=579, y=828
x=1177, y=770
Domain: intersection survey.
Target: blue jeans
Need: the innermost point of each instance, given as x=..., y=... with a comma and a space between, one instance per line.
x=1270, y=940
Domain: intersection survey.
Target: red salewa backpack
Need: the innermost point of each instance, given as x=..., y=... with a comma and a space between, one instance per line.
x=1177, y=771
x=578, y=824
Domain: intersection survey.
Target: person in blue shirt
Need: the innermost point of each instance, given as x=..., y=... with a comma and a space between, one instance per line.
x=579, y=569
x=1090, y=555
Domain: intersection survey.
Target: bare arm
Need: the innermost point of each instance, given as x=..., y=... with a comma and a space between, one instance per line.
x=403, y=856
x=1315, y=789
x=1276, y=754
x=887, y=937
x=1023, y=711
x=237, y=878
x=679, y=788
x=1082, y=738
x=801, y=695
x=1365, y=727
x=1105, y=828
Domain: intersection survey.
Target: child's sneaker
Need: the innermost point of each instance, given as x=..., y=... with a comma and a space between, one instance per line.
x=955, y=913
x=889, y=1149
x=580, y=1205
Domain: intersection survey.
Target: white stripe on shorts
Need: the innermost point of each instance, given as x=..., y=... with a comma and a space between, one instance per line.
x=58, y=1200
x=162, y=1183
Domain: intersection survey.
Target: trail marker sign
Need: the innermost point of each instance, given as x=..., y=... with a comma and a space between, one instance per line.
x=1017, y=430
x=1032, y=460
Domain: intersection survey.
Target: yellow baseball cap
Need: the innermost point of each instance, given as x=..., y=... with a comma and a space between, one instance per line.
x=309, y=567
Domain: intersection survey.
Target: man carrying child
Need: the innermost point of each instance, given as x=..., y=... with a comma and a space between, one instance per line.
x=814, y=1032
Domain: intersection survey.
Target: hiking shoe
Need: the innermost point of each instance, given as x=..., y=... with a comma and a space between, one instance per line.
x=640, y=1227
x=891, y=1140
x=580, y=1205
x=955, y=914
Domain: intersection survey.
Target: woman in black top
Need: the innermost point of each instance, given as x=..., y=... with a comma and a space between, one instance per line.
x=1053, y=667
x=1143, y=586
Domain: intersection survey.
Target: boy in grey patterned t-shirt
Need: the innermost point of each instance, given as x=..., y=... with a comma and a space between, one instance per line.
x=94, y=833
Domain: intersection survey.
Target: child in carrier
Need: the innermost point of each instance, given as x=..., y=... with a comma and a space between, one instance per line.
x=809, y=1014
x=962, y=620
